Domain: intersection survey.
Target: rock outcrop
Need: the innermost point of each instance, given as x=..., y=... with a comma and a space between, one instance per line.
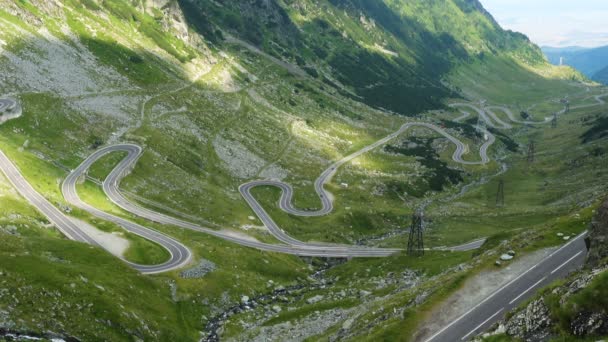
x=598, y=237
x=531, y=324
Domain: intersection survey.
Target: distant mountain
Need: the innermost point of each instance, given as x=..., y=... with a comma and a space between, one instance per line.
x=590, y=61
x=601, y=76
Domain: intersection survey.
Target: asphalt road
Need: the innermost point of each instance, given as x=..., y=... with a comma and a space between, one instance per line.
x=9, y=109
x=489, y=117
x=325, y=197
x=68, y=227
x=493, y=308
x=293, y=246
x=111, y=188
x=180, y=254
x=490, y=110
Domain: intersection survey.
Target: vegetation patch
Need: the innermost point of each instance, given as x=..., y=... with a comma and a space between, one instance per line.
x=438, y=174
x=467, y=128
x=509, y=143
x=598, y=130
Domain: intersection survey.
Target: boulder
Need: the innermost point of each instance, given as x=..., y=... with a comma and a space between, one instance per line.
x=531, y=324
x=590, y=324
x=506, y=257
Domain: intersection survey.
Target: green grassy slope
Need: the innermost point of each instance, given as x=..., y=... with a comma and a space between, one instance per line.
x=211, y=114
x=391, y=54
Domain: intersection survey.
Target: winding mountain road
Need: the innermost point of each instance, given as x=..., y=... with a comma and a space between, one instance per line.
x=180, y=254
x=111, y=188
x=294, y=246
x=489, y=117
x=491, y=309
x=286, y=200
x=472, y=322
x=598, y=98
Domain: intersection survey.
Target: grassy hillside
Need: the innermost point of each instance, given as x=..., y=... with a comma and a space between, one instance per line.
x=389, y=54
x=218, y=95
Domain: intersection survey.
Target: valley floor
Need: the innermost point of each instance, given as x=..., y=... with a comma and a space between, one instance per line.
x=248, y=200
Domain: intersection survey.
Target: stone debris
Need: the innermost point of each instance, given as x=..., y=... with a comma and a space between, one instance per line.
x=204, y=266
x=315, y=299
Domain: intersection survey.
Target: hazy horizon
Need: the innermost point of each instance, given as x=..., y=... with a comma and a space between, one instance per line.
x=554, y=23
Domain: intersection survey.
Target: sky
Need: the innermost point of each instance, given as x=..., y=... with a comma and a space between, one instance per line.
x=557, y=23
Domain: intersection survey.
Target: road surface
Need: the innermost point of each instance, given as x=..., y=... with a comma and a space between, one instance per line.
x=6, y=104
x=180, y=254
x=111, y=188
x=285, y=202
x=490, y=110
x=556, y=266
x=493, y=308
x=485, y=115
x=293, y=246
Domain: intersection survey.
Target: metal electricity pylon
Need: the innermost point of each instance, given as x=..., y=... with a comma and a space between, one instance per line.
x=500, y=194
x=415, y=245
x=531, y=151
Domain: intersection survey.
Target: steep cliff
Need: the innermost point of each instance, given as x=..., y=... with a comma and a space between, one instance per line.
x=598, y=237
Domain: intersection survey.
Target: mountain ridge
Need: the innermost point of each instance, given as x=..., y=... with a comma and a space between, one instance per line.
x=589, y=61
x=391, y=41
x=221, y=94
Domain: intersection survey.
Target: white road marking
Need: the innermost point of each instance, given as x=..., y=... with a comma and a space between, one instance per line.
x=567, y=261
x=569, y=243
x=502, y=288
x=527, y=290
x=481, y=325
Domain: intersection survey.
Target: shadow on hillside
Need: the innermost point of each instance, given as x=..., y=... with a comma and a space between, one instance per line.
x=382, y=81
